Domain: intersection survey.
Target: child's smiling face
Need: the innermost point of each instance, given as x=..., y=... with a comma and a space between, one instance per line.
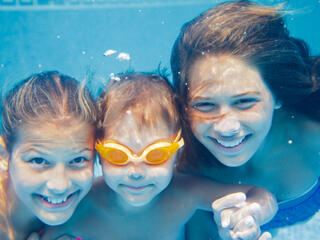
x=51, y=167
x=138, y=183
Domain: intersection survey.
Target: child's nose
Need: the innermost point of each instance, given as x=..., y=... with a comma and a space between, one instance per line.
x=59, y=181
x=227, y=126
x=136, y=171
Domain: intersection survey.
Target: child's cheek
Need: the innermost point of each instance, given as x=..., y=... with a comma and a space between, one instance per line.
x=158, y=172
x=83, y=177
x=113, y=174
x=161, y=176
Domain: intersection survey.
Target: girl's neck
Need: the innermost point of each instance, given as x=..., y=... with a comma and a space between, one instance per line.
x=21, y=220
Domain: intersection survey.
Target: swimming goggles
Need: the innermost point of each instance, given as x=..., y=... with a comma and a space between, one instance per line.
x=155, y=153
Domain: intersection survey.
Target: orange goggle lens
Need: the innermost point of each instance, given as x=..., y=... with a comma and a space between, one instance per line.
x=115, y=156
x=119, y=154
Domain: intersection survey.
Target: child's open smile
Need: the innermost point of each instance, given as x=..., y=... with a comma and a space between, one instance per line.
x=51, y=168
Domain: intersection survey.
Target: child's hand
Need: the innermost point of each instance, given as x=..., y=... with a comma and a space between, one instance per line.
x=238, y=219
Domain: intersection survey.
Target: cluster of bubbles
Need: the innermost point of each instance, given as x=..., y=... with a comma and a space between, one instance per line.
x=122, y=56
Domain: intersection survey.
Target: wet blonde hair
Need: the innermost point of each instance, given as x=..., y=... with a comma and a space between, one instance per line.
x=149, y=98
x=45, y=96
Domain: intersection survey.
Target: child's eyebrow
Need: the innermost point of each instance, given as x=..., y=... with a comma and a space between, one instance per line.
x=246, y=93
x=201, y=98
x=84, y=150
x=43, y=149
x=35, y=148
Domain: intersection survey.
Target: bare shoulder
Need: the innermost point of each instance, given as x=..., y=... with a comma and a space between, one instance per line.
x=185, y=181
x=192, y=184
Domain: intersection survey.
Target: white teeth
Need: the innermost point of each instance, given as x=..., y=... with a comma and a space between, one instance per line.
x=55, y=201
x=232, y=143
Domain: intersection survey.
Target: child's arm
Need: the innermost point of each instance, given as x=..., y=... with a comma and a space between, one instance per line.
x=240, y=213
x=204, y=191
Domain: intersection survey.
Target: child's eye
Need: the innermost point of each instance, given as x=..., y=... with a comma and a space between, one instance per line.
x=245, y=103
x=79, y=161
x=38, y=161
x=205, y=106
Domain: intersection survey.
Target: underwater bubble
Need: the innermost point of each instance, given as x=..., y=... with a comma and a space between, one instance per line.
x=290, y=141
x=202, y=53
x=140, y=10
x=39, y=65
x=84, y=52
x=2, y=65
x=162, y=22
x=58, y=36
x=186, y=84
x=109, y=52
x=113, y=77
x=91, y=57
x=292, y=116
x=179, y=73
x=123, y=56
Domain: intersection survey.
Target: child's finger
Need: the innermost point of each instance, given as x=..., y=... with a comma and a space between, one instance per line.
x=265, y=236
x=253, y=209
x=225, y=217
x=228, y=201
x=247, y=229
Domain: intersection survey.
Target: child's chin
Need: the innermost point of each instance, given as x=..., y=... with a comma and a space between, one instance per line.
x=54, y=220
x=139, y=202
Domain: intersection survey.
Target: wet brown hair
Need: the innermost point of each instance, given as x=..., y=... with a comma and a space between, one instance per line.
x=148, y=96
x=45, y=96
x=257, y=35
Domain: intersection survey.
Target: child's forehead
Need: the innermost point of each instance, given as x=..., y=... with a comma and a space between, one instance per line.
x=49, y=133
x=129, y=131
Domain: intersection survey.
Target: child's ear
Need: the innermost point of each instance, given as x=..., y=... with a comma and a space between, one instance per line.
x=4, y=155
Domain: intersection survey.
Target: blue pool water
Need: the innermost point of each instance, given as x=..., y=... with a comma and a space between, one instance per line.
x=72, y=36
